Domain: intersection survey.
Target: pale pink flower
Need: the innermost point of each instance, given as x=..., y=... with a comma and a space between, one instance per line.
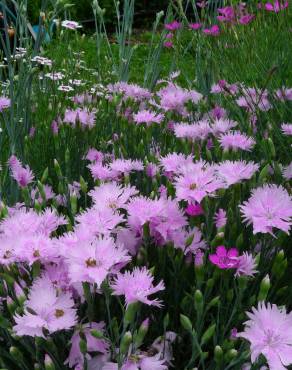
x=22, y=175
x=220, y=218
x=92, y=261
x=236, y=140
x=4, y=103
x=136, y=286
x=196, y=182
x=232, y=172
x=269, y=206
x=46, y=308
x=287, y=172
x=286, y=129
x=112, y=195
x=222, y=125
x=246, y=265
x=148, y=117
x=269, y=332
x=71, y=25
x=93, y=344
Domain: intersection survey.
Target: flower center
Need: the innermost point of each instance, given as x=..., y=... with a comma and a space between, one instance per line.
x=193, y=186
x=272, y=339
x=90, y=262
x=36, y=253
x=59, y=313
x=7, y=254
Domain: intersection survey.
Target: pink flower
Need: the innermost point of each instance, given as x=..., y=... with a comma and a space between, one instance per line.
x=172, y=162
x=236, y=140
x=173, y=26
x=227, y=14
x=222, y=125
x=269, y=206
x=195, y=26
x=71, y=25
x=277, y=6
x=212, y=31
x=168, y=44
x=269, y=332
x=246, y=265
x=220, y=218
x=93, y=344
x=4, y=103
x=22, y=175
x=232, y=172
x=246, y=19
x=148, y=117
x=92, y=261
x=112, y=195
x=45, y=309
x=287, y=129
x=194, y=209
x=136, y=286
x=196, y=182
x=284, y=94
x=225, y=259
x=287, y=172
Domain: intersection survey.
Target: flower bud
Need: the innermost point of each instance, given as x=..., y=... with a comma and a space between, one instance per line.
x=264, y=288
x=130, y=313
x=45, y=175
x=199, y=302
x=58, y=169
x=49, y=365
x=83, y=346
x=231, y=354
x=218, y=354
x=186, y=323
x=142, y=331
x=125, y=343
x=208, y=334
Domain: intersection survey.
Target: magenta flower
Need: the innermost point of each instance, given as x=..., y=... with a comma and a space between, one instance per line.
x=46, y=308
x=173, y=26
x=195, y=26
x=212, y=31
x=246, y=19
x=225, y=259
x=194, y=209
x=136, y=286
x=269, y=332
x=227, y=14
x=269, y=206
x=168, y=44
x=277, y=6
